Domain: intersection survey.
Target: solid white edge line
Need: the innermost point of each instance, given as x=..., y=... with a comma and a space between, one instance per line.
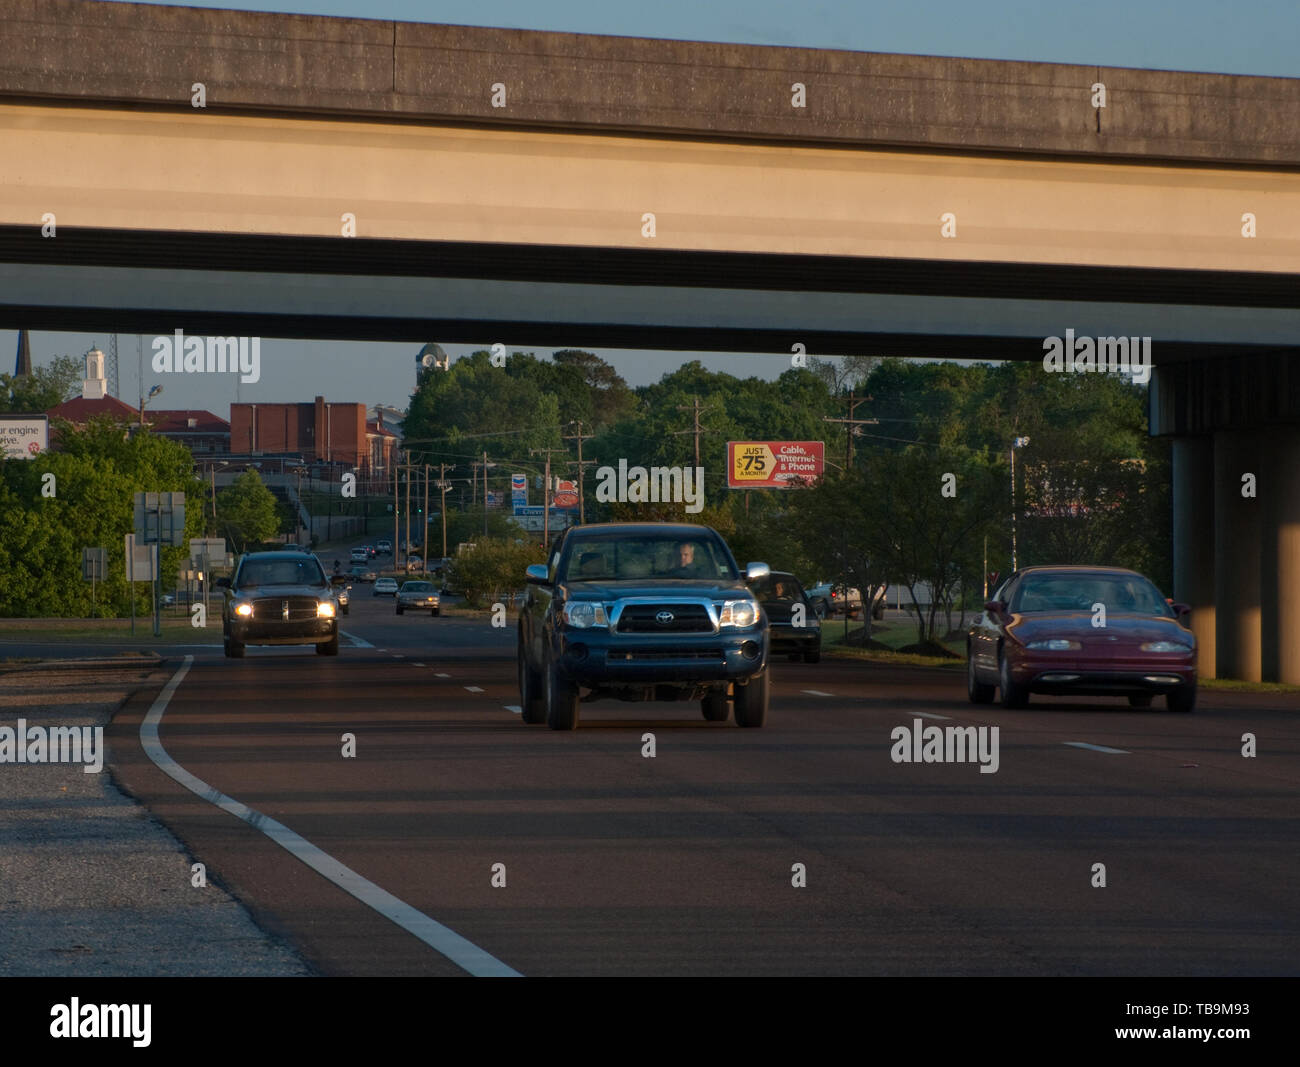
x=1097, y=748
x=357, y=642
x=463, y=953
x=513, y=708
x=931, y=715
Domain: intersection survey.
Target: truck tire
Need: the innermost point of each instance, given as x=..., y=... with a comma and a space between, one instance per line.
x=715, y=706
x=328, y=648
x=561, y=701
x=532, y=701
x=752, y=699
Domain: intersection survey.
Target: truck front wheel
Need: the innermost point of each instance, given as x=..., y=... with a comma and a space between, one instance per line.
x=715, y=706
x=561, y=701
x=752, y=700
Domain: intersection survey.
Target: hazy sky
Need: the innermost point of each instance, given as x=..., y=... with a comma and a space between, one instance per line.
x=1256, y=37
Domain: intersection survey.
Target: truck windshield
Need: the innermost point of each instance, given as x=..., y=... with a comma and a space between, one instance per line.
x=623, y=557
x=259, y=572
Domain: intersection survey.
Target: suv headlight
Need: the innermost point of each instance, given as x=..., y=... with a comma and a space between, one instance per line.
x=1056, y=644
x=325, y=609
x=738, y=613
x=1166, y=646
x=583, y=614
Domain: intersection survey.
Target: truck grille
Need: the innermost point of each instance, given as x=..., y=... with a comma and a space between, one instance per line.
x=271, y=609
x=686, y=619
x=658, y=655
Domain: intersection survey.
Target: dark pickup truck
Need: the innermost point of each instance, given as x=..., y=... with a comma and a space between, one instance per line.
x=642, y=611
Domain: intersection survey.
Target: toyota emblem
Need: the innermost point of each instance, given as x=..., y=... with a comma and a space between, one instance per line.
x=664, y=618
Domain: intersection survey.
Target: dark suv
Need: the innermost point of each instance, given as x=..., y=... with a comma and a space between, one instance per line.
x=642, y=611
x=279, y=598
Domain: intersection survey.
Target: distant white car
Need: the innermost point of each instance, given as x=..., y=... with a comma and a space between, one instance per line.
x=385, y=587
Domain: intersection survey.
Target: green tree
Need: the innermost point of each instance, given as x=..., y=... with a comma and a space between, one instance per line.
x=44, y=388
x=247, y=511
x=81, y=496
x=493, y=568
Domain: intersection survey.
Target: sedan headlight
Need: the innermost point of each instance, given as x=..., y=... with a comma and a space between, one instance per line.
x=1056, y=644
x=243, y=610
x=583, y=614
x=325, y=610
x=739, y=613
x=1166, y=646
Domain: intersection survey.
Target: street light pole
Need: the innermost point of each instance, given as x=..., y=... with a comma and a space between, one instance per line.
x=1019, y=442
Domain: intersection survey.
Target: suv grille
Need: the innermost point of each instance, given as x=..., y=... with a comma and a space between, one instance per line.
x=686, y=618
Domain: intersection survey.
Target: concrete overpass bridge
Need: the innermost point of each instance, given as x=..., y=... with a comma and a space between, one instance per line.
x=371, y=179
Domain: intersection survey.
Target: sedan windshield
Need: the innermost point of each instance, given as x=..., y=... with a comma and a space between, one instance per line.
x=417, y=587
x=1128, y=594
x=256, y=573
x=620, y=557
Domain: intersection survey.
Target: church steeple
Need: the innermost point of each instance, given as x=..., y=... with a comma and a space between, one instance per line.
x=23, y=364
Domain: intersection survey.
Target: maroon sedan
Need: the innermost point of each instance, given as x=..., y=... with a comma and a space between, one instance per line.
x=1093, y=631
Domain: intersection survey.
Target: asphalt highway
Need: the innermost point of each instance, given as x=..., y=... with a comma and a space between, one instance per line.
x=684, y=863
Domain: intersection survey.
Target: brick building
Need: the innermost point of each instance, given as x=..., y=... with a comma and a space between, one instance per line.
x=319, y=432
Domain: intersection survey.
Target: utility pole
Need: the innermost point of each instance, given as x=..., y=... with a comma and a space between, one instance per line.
x=853, y=425
x=581, y=465
x=424, y=534
x=546, y=494
x=407, y=549
x=695, y=407
x=443, y=486
x=397, y=508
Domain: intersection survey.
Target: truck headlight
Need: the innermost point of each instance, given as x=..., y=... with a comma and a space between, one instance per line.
x=583, y=614
x=738, y=613
x=244, y=610
x=1056, y=644
x=325, y=610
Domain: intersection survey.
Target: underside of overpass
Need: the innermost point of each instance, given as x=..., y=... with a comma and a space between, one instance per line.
x=913, y=206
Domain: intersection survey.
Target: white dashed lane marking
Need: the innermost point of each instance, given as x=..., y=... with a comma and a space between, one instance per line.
x=465, y=954
x=514, y=708
x=441, y=675
x=817, y=693
x=1097, y=748
x=931, y=715
x=357, y=642
x=474, y=689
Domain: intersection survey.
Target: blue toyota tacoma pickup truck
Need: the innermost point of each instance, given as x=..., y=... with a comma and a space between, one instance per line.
x=642, y=611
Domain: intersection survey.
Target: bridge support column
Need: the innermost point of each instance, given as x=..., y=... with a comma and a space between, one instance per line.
x=1193, y=499
x=1280, y=571
x=1238, y=537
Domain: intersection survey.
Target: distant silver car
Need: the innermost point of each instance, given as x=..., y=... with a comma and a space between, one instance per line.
x=417, y=596
x=385, y=587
